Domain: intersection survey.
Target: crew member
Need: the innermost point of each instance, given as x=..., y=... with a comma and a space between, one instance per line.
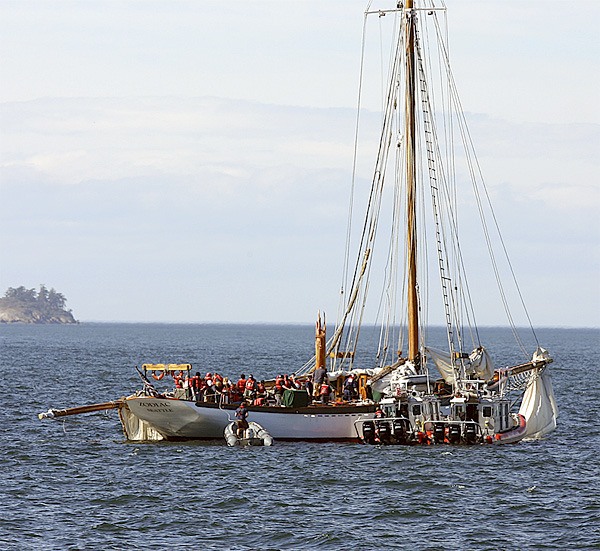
x=241, y=415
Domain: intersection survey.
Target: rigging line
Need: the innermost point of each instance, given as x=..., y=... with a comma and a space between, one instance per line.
x=388, y=298
x=370, y=223
x=382, y=164
x=388, y=291
x=471, y=151
x=444, y=183
x=448, y=295
x=450, y=179
x=490, y=248
x=454, y=227
x=354, y=163
x=389, y=294
x=469, y=154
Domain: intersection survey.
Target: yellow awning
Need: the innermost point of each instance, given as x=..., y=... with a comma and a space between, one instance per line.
x=168, y=367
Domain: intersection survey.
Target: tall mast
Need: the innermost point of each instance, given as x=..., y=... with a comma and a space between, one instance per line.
x=411, y=236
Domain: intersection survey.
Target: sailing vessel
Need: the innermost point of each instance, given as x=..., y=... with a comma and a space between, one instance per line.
x=411, y=392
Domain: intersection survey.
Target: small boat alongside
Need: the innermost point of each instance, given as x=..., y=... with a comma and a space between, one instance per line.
x=254, y=435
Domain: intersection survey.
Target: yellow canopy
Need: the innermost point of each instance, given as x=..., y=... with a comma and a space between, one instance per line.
x=168, y=367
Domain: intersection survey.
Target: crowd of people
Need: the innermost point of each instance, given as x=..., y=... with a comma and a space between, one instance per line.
x=215, y=388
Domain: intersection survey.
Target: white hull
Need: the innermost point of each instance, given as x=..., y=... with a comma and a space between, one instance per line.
x=181, y=419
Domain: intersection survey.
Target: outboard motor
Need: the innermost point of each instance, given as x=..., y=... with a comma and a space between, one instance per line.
x=399, y=427
x=454, y=434
x=439, y=433
x=470, y=433
x=368, y=430
x=383, y=430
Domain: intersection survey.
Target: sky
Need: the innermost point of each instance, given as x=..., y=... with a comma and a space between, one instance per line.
x=173, y=161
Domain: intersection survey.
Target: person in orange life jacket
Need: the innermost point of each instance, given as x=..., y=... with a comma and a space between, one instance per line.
x=241, y=384
x=261, y=390
x=250, y=388
x=194, y=385
x=234, y=392
x=278, y=389
x=241, y=415
x=325, y=391
x=218, y=380
x=201, y=390
x=318, y=377
x=295, y=384
x=287, y=382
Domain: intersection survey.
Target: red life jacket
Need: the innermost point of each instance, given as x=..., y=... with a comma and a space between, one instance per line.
x=250, y=384
x=241, y=384
x=325, y=389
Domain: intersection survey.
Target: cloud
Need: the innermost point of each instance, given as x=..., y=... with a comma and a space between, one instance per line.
x=208, y=209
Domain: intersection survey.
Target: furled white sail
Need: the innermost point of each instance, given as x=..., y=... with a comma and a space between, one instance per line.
x=539, y=407
x=478, y=363
x=137, y=429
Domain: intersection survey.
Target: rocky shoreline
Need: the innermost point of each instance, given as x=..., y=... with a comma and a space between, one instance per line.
x=28, y=315
x=28, y=306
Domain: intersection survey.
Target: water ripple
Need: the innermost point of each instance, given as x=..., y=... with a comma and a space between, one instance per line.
x=75, y=484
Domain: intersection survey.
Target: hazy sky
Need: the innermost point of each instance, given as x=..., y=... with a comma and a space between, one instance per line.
x=189, y=161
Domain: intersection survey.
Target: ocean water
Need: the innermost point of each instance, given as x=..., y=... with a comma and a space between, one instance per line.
x=75, y=483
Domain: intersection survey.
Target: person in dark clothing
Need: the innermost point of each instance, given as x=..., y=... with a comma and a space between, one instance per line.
x=318, y=378
x=241, y=415
x=350, y=388
x=308, y=385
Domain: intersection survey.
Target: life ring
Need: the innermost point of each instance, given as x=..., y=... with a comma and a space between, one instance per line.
x=158, y=377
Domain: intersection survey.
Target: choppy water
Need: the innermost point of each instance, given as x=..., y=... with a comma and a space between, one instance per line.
x=75, y=484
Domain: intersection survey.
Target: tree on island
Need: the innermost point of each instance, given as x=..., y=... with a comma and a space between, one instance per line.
x=30, y=306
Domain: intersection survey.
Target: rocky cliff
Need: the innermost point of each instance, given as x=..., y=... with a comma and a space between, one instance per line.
x=28, y=306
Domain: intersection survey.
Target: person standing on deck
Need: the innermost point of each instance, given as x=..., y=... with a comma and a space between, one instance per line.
x=241, y=384
x=250, y=392
x=308, y=386
x=318, y=377
x=325, y=390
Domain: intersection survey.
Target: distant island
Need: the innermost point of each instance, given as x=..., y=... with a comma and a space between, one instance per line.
x=23, y=305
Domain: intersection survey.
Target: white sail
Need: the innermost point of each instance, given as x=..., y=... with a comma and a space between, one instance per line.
x=136, y=428
x=479, y=363
x=539, y=407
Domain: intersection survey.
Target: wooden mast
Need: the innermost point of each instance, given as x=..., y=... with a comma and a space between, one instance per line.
x=411, y=241
x=320, y=342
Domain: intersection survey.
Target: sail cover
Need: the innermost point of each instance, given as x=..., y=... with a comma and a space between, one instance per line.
x=539, y=407
x=478, y=363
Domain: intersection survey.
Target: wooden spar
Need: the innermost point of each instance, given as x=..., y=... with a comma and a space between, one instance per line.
x=320, y=351
x=505, y=373
x=411, y=237
x=51, y=413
